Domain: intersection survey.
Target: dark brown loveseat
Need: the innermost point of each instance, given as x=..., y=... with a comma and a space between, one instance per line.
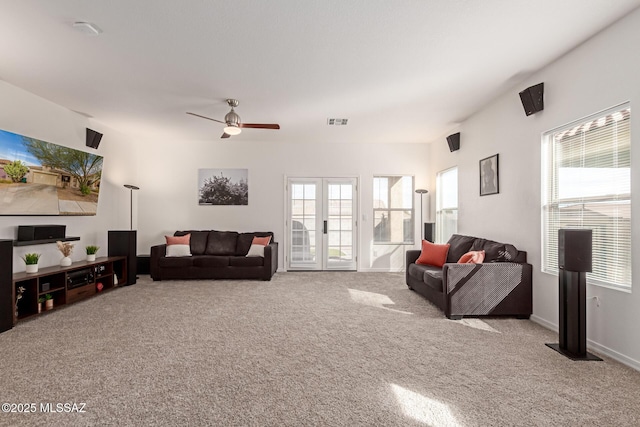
x=216, y=255
x=501, y=286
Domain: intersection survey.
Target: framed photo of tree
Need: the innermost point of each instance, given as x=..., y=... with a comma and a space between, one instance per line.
x=489, y=178
x=223, y=187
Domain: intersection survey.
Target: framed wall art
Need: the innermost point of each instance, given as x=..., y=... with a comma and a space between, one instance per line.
x=223, y=187
x=489, y=178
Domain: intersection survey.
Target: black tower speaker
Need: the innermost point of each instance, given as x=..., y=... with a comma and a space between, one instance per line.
x=6, y=284
x=123, y=243
x=454, y=142
x=93, y=138
x=533, y=99
x=430, y=231
x=574, y=261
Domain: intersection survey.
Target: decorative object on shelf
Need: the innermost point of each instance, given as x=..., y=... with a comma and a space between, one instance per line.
x=421, y=192
x=31, y=262
x=115, y=280
x=99, y=286
x=40, y=301
x=19, y=291
x=489, y=182
x=131, y=188
x=48, y=302
x=92, y=250
x=66, y=248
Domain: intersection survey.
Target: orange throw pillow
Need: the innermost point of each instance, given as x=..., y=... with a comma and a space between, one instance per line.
x=472, y=257
x=433, y=254
x=178, y=240
x=262, y=241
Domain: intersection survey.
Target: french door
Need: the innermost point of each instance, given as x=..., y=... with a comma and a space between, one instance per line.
x=322, y=224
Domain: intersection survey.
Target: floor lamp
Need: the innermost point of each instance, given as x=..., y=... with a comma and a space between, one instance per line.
x=131, y=188
x=421, y=192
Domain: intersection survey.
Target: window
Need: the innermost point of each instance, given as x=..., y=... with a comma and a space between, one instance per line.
x=446, y=204
x=393, y=210
x=586, y=172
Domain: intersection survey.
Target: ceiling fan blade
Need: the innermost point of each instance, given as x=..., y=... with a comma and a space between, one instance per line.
x=225, y=135
x=208, y=118
x=260, y=125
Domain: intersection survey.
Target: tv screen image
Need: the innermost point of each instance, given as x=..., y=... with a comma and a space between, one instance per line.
x=41, y=178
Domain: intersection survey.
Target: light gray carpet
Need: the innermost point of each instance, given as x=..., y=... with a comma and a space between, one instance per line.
x=340, y=349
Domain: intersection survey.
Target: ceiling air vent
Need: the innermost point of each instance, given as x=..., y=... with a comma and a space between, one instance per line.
x=337, y=122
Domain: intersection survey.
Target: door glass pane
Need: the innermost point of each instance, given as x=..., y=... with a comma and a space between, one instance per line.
x=340, y=216
x=303, y=223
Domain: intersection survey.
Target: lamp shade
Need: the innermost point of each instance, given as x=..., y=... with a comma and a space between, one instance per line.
x=232, y=130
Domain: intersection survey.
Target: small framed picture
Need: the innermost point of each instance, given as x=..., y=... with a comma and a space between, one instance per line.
x=489, y=182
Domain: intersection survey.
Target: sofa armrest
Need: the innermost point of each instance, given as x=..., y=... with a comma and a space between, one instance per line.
x=157, y=252
x=496, y=288
x=270, y=260
x=412, y=256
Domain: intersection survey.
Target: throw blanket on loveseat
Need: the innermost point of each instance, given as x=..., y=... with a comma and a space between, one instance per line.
x=499, y=286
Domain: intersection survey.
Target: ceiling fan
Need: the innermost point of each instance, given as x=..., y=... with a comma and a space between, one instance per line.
x=233, y=122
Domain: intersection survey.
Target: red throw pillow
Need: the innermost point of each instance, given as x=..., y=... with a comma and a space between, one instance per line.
x=472, y=257
x=262, y=241
x=433, y=254
x=178, y=240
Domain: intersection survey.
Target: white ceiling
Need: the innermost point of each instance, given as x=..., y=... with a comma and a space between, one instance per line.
x=400, y=71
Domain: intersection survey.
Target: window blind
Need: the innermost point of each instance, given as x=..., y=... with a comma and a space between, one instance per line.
x=587, y=184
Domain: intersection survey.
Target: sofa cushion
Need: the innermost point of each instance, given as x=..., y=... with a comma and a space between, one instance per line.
x=494, y=251
x=472, y=257
x=210, y=261
x=433, y=279
x=221, y=243
x=198, y=241
x=178, y=240
x=177, y=251
x=241, y=261
x=245, y=240
x=433, y=254
x=460, y=245
x=417, y=271
x=431, y=276
x=175, y=262
x=178, y=246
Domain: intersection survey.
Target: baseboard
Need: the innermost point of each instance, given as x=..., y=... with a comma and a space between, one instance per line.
x=542, y=322
x=381, y=270
x=592, y=345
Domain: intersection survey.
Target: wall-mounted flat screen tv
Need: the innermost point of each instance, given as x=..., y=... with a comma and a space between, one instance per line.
x=41, y=178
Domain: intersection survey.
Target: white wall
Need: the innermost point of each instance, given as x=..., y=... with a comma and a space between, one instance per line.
x=168, y=197
x=26, y=114
x=598, y=74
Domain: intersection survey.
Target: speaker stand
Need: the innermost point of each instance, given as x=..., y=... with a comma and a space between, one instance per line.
x=587, y=356
x=572, y=328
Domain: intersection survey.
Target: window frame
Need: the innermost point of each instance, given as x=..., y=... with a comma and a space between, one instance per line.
x=389, y=209
x=439, y=208
x=548, y=201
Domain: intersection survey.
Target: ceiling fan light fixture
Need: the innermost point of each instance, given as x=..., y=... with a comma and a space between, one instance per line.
x=232, y=130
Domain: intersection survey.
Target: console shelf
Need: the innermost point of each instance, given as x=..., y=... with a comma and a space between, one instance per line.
x=67, y=284
x=43, y=242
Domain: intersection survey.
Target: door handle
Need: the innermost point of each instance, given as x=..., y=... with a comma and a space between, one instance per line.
x=325, y=227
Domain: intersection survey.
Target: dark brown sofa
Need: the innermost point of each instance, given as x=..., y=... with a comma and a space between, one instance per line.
x=501, y=286
x=216, y=255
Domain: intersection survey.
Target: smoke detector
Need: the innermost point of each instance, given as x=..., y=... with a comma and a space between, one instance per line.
x=87, y=28
x=337, y=122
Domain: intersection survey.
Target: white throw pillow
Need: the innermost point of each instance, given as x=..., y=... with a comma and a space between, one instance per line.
x=256, y=250
x=178, y=250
